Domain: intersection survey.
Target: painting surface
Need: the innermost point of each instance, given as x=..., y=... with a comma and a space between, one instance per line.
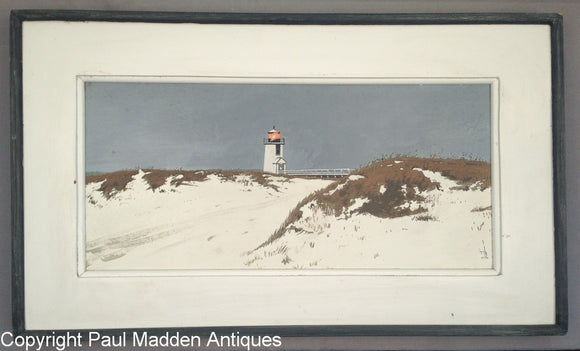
x=196, y=176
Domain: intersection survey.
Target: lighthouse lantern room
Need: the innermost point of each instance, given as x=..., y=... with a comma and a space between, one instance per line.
x=274, y=152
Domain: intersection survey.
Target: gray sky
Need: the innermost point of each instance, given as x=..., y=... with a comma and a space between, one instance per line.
x=222, y=126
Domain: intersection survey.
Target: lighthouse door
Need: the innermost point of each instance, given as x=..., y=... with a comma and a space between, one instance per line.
x=281, y=168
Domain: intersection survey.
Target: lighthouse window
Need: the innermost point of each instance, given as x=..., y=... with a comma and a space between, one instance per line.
x=278, y=150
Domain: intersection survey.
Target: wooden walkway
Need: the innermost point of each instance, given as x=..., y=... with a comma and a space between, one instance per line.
x=320, y=173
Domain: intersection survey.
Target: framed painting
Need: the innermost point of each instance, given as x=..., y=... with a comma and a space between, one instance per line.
x=356, y=174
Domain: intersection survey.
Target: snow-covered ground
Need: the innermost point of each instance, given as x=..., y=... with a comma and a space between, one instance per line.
x=454, y=233
x=197, y=225
x=221, y=223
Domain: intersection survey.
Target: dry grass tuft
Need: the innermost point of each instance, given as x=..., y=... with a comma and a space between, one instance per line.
x=157, y=177
x=293, y=216
x=116, y=182
x=112, y=182
x=481, y=209
x=385, y=204
x=464, y=171
x=258, y=177
x=424, y=218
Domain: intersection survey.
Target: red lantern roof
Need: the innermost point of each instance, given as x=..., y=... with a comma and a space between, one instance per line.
x=274, y=135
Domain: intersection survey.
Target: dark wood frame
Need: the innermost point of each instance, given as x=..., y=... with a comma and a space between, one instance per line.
x=16, y=142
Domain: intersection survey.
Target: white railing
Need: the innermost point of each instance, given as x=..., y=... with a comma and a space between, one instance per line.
x=336, y=172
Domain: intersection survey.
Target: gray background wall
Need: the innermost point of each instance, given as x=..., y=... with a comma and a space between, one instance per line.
x=571, y=12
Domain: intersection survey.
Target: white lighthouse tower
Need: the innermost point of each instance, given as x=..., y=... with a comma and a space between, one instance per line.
x=274, y=152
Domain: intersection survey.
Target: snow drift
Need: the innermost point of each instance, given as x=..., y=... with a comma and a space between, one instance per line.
x=408, y=213
x=158, y=219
